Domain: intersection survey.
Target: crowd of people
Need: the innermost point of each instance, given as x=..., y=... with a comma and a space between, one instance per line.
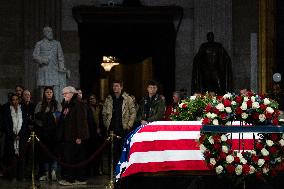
x=71, y=130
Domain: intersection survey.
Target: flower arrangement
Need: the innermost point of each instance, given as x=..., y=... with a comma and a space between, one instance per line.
x=191, y=108
x=260, y=162
x=217, y=149
x=248, y=107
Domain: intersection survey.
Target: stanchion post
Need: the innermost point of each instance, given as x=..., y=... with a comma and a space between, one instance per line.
x=110, y=185
x=32, y=139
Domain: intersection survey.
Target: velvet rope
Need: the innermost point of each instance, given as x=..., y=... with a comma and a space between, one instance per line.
x=80, y=164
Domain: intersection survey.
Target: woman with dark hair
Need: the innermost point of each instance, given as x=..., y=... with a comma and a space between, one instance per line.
x=16, y=135
x=46, y=114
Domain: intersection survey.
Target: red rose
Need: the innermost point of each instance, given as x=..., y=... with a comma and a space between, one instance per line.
x=207, y=154
x=215, y=110
x=255, y=116
x=184, y=106
x=262, y=107
x=250, y=93
x=230, y=168
x=266, y=158
x=276, y=113
x=217, y=146
x=237, y=159
x=275, y=121
x=246, y=169
x=222, y=155
x=210, y=166
x=238, y=99
x=273, y=150
x=249, y=103
x=223, y=116
x=259, y=146
x=206, y=121
x=202, y=138
x=239, y=110
x=208, y=108
x=216, y=138
x=268, y=115
x=274, y=137
x=227, y=103
x=254, y=158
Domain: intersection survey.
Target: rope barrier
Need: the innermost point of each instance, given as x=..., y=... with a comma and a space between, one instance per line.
x=80, y=164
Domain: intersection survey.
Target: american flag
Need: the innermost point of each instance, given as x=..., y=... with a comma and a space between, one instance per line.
x=166, y=146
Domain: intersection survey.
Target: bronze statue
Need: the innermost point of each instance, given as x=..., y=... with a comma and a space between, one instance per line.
x=212, y=69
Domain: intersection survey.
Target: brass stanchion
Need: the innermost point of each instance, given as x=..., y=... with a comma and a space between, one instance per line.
x=32, y=138
x=110, y=185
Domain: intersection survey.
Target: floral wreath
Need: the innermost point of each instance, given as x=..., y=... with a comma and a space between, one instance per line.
x=217, y=150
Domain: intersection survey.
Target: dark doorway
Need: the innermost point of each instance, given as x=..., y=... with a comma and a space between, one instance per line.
x=133, y=35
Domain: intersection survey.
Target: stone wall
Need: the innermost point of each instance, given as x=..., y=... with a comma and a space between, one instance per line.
x=232, y=21
x=11, y=47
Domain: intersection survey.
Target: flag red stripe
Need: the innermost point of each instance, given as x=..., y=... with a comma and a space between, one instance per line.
x=165, y=166
x=185, y=144
x=154, y=128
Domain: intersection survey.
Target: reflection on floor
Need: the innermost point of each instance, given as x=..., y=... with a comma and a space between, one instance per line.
x=97, y=182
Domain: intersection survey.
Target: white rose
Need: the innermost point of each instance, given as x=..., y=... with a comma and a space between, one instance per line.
x=260, y=162
x=228, y=123
x=208, y=115
x=239, y=169
x=278, y=159
x=269, y=110
x=220, y=107
x=212, y=161
x=213, y=115
x=239, y=155
x=244, y=106
x=228, y=95
x=253, y=152
x=234, y=103
x=224, y=138
x=229, y=158
x=225, y=149
x=264, y=152
x=269, y=143
x=215, y=122
x=202, y=148
x=261, y=117
x=266, y=101
x=228, y=109
x=251, y=169
x=181, y=104
x=211, y=140
x=192, y=97
x=246, y=99
x=255, y=105
x=243, y=161
x=281, y=142
x=252, y=99
x=265, y=170
x=244, y=115
x=219, y=169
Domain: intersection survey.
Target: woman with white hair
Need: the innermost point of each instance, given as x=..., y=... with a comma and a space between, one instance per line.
x=73, y=132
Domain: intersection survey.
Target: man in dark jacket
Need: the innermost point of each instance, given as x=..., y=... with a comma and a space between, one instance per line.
x=152, y=107
x=73, y=132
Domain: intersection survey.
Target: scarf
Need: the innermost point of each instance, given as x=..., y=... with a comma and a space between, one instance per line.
x=17, y=120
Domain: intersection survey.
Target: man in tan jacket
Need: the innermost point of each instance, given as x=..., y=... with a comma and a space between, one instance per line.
x=118, y=115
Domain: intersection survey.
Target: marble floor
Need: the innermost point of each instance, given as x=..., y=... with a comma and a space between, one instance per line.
x=97, y=182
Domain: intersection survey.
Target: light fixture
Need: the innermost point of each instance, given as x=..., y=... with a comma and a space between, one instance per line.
x=109, y=62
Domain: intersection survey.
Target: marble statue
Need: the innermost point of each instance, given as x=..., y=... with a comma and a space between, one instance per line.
x=51, y=70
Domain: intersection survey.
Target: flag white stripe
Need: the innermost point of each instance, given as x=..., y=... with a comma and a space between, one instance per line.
x=166, y=155
x=179, y=135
